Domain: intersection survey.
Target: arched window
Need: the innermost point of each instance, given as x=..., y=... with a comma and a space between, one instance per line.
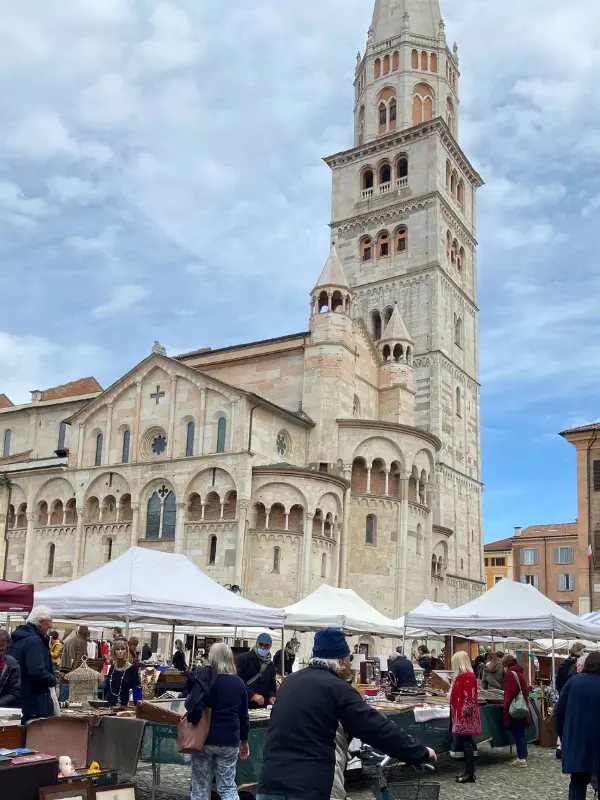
x=276, y=559
x=383, y=243
x=453, y=182
x=324, y=565
x=434, y=62
x=393, y=114
x=387, y=352
x=458, y=402
x=370, y=529
x=414, y=59
x=424, y=61
x=367, y=180
x=108, y=549
x=56, y=513
x=366, y=249
x=376, y=325
x=386, y=65
x=385, y=174
x=221, y=432
x=62, y=434
x=189, y=442
x=6, y=443
x=212, y=550
x=402, y=170
x=422, y=104
x=454, y=251
x=98, y=456
x=382, y=117
x=457, y=330
x=460, y=193
x=153, y=517
x=169, y=517
x=377, y=68
x=401, y=240
x=448, y=173
x=125, y=449
x=460, y=259
x=50, y=562
x=396, y=61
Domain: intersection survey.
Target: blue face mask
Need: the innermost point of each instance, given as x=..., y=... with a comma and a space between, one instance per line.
x=262, y=652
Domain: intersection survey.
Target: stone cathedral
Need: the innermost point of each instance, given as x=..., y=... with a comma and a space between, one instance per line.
x=348, y=453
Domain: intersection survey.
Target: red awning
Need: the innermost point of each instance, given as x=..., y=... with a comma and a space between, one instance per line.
x=15, y=596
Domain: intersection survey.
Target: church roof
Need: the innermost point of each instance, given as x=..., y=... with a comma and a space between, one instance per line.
x=333, y=273
x=72, y=389
x=396, y=330
x=5, y=402
x=425, y=18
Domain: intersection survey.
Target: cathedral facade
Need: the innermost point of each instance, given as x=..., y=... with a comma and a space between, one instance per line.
x=348, y=453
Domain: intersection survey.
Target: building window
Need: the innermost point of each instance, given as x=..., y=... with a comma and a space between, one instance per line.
x=370, y=530
x=497, y=578
x=324, y=566
x=596, y=471
x=6, y=444
x=282, y=444
x=566, y=583
x=458, y=402
x=62, y=433
x=108, y=550
x=161, y=515
x=401, y=240
x=384, y=245
x=486, y=562
x=276, y=559
x=159, y=445
x=212, y=550
x=498, y=562
x=532, y=580
x=221, y=432
x=382, y=115
x=392, y=111
x=529, y=557
x=189, y=442
x=125, y=448
x=458, y=330
x=98, y=456
x=564, y=555
x=50, y=564
x=366, y=250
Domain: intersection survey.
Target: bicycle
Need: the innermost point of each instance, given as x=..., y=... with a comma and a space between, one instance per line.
x=385, y=789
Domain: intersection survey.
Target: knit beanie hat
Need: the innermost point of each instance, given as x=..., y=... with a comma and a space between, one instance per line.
x=330, y=643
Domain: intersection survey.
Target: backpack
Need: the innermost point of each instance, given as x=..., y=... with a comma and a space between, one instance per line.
x=518, y=708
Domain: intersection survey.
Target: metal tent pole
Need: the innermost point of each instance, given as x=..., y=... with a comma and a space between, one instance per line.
x=283, y=652
x=553, y=663
x=172, y=641
x=529, y=659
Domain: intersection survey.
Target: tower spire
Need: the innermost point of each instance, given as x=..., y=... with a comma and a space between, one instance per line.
x=425, y=18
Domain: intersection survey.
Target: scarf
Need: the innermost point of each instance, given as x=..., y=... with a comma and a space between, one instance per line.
x=320, y=663
x=263, y=659
x=2, y=663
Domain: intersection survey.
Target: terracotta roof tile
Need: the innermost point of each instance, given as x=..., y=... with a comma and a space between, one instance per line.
x=502, y=544
x=558, y=529
x=582, y=428
x=72, y=389
x=5, y=402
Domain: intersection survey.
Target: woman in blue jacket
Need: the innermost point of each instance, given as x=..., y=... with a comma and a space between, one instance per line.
x=578, y=725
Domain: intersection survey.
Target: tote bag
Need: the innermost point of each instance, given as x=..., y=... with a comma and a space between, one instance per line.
x=192, y=738
x=518, y=708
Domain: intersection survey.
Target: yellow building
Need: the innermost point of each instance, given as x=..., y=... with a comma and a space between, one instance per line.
x=498, y=559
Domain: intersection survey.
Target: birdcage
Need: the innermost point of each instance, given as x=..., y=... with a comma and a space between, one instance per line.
x=83, y=684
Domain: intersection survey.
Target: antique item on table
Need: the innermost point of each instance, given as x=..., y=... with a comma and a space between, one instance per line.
x=168, y=712
x=83, y=684
x=149, y=679
x=128, y=791
x=71, y=791
x=66, y=768
x=94, y=768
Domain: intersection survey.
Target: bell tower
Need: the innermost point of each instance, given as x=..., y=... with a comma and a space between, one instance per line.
x=403, y=224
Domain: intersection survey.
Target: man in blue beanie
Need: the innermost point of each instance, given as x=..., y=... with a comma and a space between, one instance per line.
x=317, y=713
x=258, y=672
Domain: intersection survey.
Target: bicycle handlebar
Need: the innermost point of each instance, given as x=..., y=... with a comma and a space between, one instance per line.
x=367, y=753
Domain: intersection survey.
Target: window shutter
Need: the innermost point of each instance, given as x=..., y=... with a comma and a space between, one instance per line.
x=523, y=578
x=561, y=583
x=536, y=580
x=596, y=475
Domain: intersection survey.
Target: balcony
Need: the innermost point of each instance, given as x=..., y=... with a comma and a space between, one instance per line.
x=385, y=188
x=402, y=183
x=367, y=194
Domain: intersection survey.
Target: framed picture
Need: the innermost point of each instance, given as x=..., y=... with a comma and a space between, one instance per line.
x=128, y=791
x=70, y=791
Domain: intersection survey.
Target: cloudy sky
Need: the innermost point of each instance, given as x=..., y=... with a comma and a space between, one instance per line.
x=161, y=178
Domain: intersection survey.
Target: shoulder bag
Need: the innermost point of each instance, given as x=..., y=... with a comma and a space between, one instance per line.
x=192, y=738
x=518, y=707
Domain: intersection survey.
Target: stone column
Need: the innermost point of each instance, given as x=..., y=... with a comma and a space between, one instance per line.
x=135, y=521
x=387, y=482
x=201, y=422
x=108, y=436
x=402, y=548
x=135, y=435
x=79, y=542
x=180, y=529
x=337, y=552
x=306, y=554
x=80, y=442
x=345, y=533
x=368, y=480
x=240, y=541
x=232, y=431
x=29, y=545
x=171, y=434
x=287, y=520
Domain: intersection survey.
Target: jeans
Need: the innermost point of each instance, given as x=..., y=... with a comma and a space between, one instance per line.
x=518, y=731
x=578, y=786
x=469, y=751
x=220, y=761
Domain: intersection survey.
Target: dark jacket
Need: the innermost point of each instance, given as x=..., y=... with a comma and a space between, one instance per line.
x=289, y=662
x=248, y=665
x=514, y=678
x=567, y=670
x=10, y=684
x=227, y=698
x=403, y=672
x=146, y=652
x=299, y=753
x=179, y=661
x=31, y=649
x=577, y=718
x=425, y=663
x=493, y=675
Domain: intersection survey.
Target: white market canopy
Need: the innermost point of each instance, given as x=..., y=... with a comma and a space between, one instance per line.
x=508, y=608
x=426, y=607
x=150, y=586
x=329, y=607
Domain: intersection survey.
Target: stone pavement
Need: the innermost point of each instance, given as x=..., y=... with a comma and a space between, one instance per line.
x=496, y=779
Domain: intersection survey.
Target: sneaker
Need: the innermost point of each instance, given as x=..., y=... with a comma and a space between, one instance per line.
x=519, y=762
x=559, y=753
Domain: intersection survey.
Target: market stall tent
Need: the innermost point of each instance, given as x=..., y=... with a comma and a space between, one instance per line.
x=149, y=586
x=330, y=607
x=507, y=609
x=15, y=597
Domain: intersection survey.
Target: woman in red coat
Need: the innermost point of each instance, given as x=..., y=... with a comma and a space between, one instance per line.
x=514, y=682
x=464, y=713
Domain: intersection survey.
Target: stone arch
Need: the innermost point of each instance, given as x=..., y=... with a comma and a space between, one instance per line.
x=55, y=489
x=210, y=479
x=376, y=325
x=107, y=483
x=379, y=447
x=279, y=491
x=423, y=99
x=56, y=513
x=423, y=462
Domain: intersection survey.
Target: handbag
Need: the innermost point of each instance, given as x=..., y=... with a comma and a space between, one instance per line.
x=192, y=738
x=518, y=708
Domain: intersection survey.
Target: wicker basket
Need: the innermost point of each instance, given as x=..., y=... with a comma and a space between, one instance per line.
x=83, y=684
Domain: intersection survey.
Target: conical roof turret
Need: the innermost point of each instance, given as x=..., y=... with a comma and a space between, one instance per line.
x=424, y=18
x=333, y=273
x=396, y=331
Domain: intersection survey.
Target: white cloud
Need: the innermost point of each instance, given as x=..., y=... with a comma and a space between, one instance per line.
x=111, y=101
x=71, y=189
x=42, y=135
x=123, y=298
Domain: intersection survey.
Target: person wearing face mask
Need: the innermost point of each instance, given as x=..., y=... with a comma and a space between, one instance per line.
x=258, y=672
